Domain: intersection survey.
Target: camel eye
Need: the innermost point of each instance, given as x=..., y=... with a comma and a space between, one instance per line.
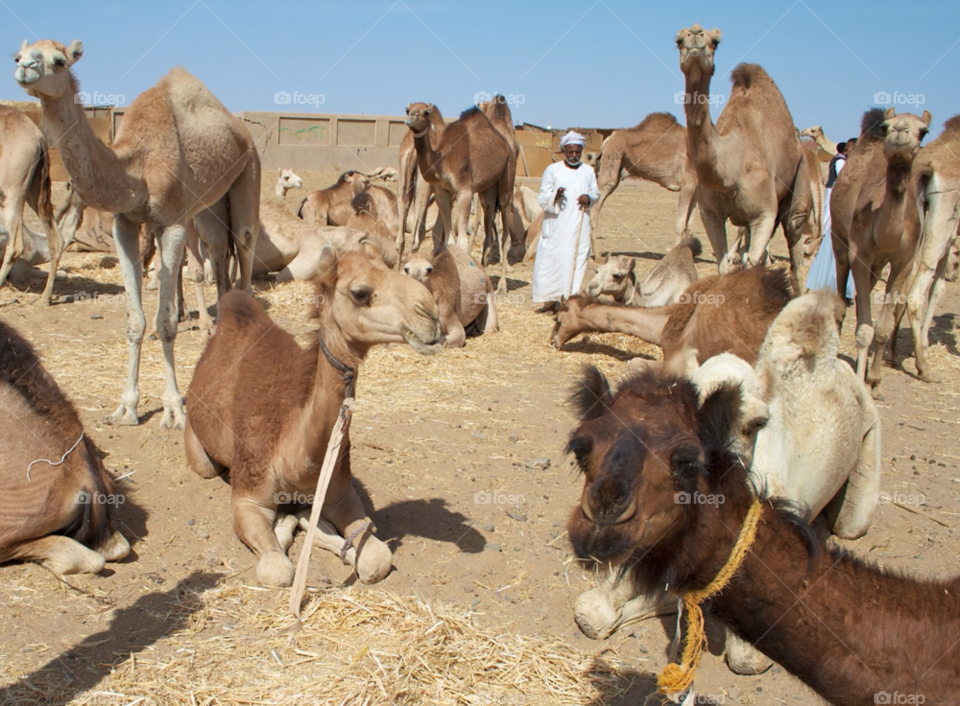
x=59, y=62
x=686, y=462
x=429, y=270
x=426, y=113
x=618, y=276
x=361, y=295
x=406, y=269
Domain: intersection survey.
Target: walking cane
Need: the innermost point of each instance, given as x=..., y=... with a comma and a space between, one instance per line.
x=576, y=250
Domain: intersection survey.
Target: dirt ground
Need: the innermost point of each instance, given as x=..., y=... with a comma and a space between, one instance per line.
x=432, y=439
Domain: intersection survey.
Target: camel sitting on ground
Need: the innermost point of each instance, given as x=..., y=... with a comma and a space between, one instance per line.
x=874, y=217
x=286, y=180
x=655, y=150
x=750, y=166
x=815, y=133
x=663, y=285
x=808, y=432
x=653, y=440
x=58, y=512
x=25, y=179
x=272, y=435
x=331, y=206
x=718, y=314
x=532, y=238
x=462, y=289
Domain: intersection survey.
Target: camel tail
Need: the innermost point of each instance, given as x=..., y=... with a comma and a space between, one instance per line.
x=693, y=244
x=44, y=200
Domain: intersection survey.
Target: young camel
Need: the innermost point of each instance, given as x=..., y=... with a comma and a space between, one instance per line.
x=655, y=150
x=750, y=166
x=272, y=435
x=177, y=151
x=58, y=514
x=25, y=179
x=331, y=206
x=815, y=133
x=286, y=180
x=663, y=285
x=874, y=221
x=718, y=314
x=858, y=631
x=467, y=157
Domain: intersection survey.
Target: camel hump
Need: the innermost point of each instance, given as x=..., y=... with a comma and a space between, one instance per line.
x=238, y=310
x=658, y=120
x=471, y=113
x=807, y=327
x=871, y=124
x=952, y=125
x=745, y=75
x=693, y=245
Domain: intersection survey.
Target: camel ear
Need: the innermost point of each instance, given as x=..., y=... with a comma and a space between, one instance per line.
x=279, y=171
x=327, y=269
x=633, y=263
x=591, y=396
x=889, y=113
x=715, y=36
x=371, y=248
x=75, y=51
x=926, y=118
x=24, y=45
x=719, y=417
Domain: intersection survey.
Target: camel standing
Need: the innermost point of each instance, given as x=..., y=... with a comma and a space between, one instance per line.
x=655, y=150
x=874, y=221
x=815, y=133
x=498, y=112
x=465, y=158
x=263, y=408
x=412, y=188
x=25, y=179
x=750, y=166
x=177, y=151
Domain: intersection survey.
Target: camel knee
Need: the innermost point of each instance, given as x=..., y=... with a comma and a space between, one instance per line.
x=373, y=558
x=284, y=530
x=865, y=334
x=743, y=658
x=275, y=569
x=115, y=547
x=62, y=555
x=197, y=457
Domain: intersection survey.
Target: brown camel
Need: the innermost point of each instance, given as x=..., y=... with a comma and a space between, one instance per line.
x=331, y=206
x=465, y=158
x=499, y=115
x=25, y=179
x=719, y=314
x=413, y=189
x=663, y=285
x=58, y=500
x=263, y=408
x=854, y=633
x=366, y=217
x=655, y=150
x=815, y=133
x=750, y=165
x=177, y=151
x=874, y=222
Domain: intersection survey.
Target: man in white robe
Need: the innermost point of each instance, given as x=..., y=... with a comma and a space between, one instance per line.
x=567, y=191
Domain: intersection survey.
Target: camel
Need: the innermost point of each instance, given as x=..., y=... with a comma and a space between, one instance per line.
x=331, y=206
x=499, y=115
x=857, y=632
x=25, y=179
x=718, y=314
x=466, y=157
x=937, y=170
x=58, y=512
x=874, y=222
x=462, y=289
x=412, y=188
x=663, y=285
x=655, y=150
x=532, y=238
x=815, y=133
x=272, y=435
x=177, y=151
x=286, y=180
x=809, y=432
x=750, y=166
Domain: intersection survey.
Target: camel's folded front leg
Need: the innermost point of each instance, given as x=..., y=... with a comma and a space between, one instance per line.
x=253, y=524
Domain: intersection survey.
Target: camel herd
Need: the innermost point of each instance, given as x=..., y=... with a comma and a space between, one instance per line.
x=737, y=408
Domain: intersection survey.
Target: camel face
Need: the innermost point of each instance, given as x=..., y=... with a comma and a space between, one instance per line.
x=418, y=267
x=418, y=116
x=43, y=68
x=612, y=277
x=372, y=304
x=565, y=322
x=903, y=134
x=697, y=47
x=288, y=179
x=812, y=132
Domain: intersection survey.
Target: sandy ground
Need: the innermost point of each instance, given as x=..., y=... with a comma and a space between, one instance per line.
x=431, y=437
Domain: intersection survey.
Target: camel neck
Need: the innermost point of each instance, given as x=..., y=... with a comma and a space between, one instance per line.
x=715, y=158
x=890, y=225
x=646, y=324
x=428, y=158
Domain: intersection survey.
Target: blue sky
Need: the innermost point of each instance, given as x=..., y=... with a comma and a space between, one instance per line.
x=594, y=64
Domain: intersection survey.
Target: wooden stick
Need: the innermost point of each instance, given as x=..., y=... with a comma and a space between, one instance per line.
x=576, y=250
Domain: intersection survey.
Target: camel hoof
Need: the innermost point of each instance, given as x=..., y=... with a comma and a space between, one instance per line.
x=374, y=560
x=275, y=569
x=930, y=377
x=502, y=287
x=173, y=417
x=123, y=417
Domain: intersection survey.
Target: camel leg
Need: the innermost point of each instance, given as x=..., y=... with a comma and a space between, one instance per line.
x=212, y=227
x=716, y=228
x=54, y=242
x=885, y=322
x=245, y=219
x=126, y=241
x=421, y=204
x=62, y=555
x=445, y=213
x=920, y=305
x=491, y=324
x=489, y=204
x=859, y=495
x=760, y=234
x=685, y=205
x=744, y=658
x=464, y=198
x=595, y=220
x=253, y=524
x=197, y=457
x=13, y=216
x=196, y=274
x=939, y=289
x=506, y=217
x=862, y=280
x=171, y=259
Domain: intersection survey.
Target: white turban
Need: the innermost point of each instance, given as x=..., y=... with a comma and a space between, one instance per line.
x=572, y=138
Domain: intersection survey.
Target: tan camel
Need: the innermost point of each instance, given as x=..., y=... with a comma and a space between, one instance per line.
x=718, y=314
x=462, y=289
x=829, y=147
x=499, y=115
x=937, y=170
x=874, y=222
x=655, y=150
x=750, y=165
x=664, y=284
x=366, y=217
x=532, y=238
x=58, y=501
x=25, y=179
x=413, y=189
x=272, y=434
x=177, y=151
x=286, y=180
x=331, y=206
x=464, y=158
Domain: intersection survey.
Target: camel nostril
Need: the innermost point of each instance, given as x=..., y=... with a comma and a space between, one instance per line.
x=628, y=513
x=585, y=508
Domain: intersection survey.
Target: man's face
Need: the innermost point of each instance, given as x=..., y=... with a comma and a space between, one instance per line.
x=572, y=153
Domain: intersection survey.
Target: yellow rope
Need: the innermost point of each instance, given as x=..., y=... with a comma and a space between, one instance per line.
x=678, y=678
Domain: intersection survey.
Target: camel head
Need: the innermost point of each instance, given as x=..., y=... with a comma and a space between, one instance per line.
x=43, y=68
x=903, y=134
x=566, y=320
x=813, y=133
x=287, y=180
x=419, y=267
x=418, y=116
x=371, y=304
x=612, y=277
x=697, y=47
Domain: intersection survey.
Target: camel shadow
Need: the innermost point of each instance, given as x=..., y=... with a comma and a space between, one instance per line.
x=594, y=348
x=133, y=629
x=73, y=288
x=943, y=330
x=630, y=686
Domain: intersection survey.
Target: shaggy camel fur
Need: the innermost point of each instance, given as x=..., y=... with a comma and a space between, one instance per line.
x=809, y=432
x=663, y=285
x=858, y=630
x=750, y=166
x=719, y=314
x=874, y=217
x=25, y=179
x=815, y=133
x=462, y=289
x=177, y=151
x=263, y=408
x=464, y=158
x=58, y=514
x=655, y=150
x=286, y=180
x=331, y=206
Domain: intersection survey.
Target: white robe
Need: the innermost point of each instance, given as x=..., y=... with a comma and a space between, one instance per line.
x=553, y=266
